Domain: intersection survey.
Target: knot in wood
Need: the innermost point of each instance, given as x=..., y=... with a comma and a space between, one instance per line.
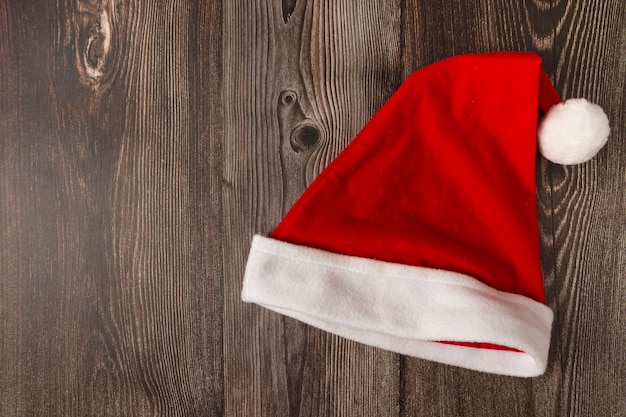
x=304, y=137
x=288, y=97
x=95, y=48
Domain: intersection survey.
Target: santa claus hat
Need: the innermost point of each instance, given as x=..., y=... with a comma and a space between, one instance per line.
x=421, y=237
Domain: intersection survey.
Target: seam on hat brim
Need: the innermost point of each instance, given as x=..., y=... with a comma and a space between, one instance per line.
x=404, y=309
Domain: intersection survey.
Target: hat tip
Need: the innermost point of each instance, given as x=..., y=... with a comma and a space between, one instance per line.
x=573, y=132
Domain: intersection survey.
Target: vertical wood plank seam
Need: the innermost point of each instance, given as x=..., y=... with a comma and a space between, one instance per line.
x=556, y=331
x=401, y=360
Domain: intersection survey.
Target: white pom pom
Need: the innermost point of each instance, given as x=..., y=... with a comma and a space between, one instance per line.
x=572, y=132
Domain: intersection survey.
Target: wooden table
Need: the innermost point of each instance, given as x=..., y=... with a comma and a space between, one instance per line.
x=143, y=143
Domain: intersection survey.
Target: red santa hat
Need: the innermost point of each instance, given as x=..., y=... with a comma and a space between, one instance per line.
x=421, y=237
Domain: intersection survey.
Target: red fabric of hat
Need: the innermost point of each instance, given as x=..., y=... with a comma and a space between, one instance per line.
x=424, y=229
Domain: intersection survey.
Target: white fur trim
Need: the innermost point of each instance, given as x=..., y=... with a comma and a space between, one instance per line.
x=573, y=132
x=400, y=308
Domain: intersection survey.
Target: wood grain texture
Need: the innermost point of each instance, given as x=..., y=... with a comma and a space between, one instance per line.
x=588, y=206
x=293, y=102
x=143, y=143
x=107, y=213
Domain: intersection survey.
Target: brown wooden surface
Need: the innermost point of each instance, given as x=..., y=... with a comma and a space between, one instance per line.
x=143, y=143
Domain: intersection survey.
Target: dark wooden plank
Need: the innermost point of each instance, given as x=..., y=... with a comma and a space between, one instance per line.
x=434, y=31
x=588, y=204
x=33, y=353
x=109, y=160
x=319, y=76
